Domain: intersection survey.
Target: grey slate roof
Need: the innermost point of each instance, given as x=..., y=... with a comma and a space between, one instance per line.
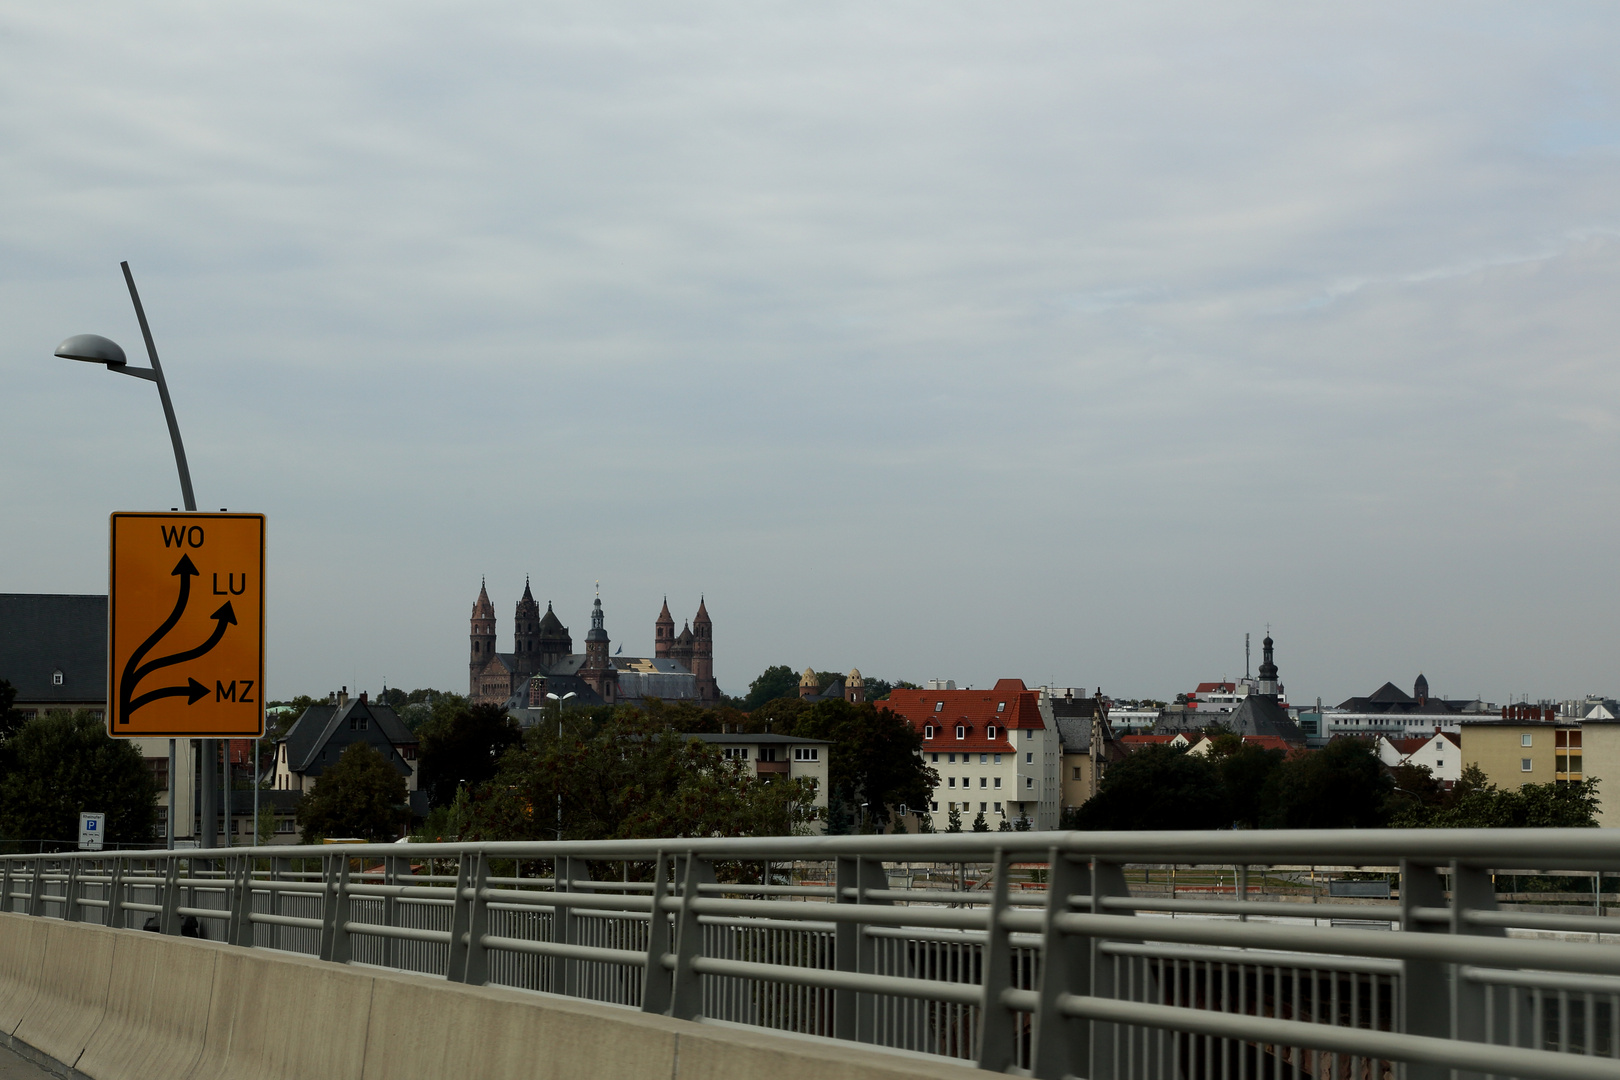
x=1074, y=733
x=326, y=727
x=41, y=633
x=1258, y=714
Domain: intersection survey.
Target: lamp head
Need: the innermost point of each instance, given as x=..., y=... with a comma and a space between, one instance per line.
x=93, y=349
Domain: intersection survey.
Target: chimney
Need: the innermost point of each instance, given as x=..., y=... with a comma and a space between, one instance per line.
x=343, y=696
x=363, y=696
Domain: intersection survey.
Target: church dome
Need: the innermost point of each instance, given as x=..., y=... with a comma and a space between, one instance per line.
x=808, y=678
x=855, y=676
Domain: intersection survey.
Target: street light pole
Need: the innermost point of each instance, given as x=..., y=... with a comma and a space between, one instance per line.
x=96, y=349
x=559, y=701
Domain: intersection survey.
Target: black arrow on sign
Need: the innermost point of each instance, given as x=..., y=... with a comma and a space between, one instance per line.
x=224, y=617
x=185, y=570
x=192, y=693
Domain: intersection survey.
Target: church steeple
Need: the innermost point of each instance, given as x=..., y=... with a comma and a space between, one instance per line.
x=1268, y=669
x=481, y=636
x=663, y=631
x=526, y=632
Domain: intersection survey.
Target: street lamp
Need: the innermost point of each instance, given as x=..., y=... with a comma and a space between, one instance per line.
x=559, y=701
x=95, y=349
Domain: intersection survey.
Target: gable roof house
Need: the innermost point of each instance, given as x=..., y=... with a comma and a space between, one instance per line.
x=318, y=738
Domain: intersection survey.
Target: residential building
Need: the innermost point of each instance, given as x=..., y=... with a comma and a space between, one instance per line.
x=318, y=738
x=1597, y=756
x=1078, y=782
x=997, y=752
x=681, y=667
x=1440, y=752
x=1519, y=751
x=780, y=755
x=53, y=651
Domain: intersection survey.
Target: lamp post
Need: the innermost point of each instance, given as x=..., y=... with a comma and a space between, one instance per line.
x=95, y=349
x=559, y=701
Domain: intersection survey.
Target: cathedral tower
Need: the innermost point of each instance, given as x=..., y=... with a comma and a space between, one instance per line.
x=598, y=671
x=482, y=637
x=663, y=632
x=552, y=642
x=527, y=632
x=703, y=653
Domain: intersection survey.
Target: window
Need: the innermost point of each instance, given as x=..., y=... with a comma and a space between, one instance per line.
x=1077, y=772
x=990, y=732
x=961, y=731
x=1439, y=763
x=1029, y=733
x=1029, y=781
x=998, y=781
x=736, y=753
x=983, y=807
x=1001, y=706
x=950, y=781
x=998, y=759
x=998, y=808
x=1524, y=763
x=949, y=757
x=806, y=753
x=934, y=757
x=984, y=781
x=928, y=731
x=286, y=825
x=984, y=759
x=767, y=753
x=934, y=806
x=938, y=705
x=56, y=677
x=1029, y=759
x=1524, y=740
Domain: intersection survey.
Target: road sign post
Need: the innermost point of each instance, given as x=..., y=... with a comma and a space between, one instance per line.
x=186, y=626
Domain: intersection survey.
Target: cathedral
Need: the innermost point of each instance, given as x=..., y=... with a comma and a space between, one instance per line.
x=543, y=660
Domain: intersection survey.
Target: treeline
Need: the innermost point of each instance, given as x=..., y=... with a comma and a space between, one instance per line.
x=1342, y=786
x=622, y=773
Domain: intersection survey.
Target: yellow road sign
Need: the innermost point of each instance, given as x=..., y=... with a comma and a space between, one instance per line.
x=185, y=626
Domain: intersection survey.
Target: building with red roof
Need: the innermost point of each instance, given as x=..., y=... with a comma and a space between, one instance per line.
x=997, y=752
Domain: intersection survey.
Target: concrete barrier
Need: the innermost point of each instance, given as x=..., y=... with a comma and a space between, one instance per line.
x=158, y=1001
x=127, y=1005
x=22, y=956
x=72, y=991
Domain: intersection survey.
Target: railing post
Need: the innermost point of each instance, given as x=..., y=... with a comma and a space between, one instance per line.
x=70, y=891
x=855, y=1014
x=563, y=927
x=36, y=886
x=335, y=944
x=391, y=910
x=998, y=1024
x=1107, y=879
x=475, y=971
x=115, y=894
x=657, y=986
x=242, y=910
x=1062, y=1044
x=686, y=996
x=1425, y=990
x=460, y=920
x=5, y=885
x=1472, y=890
x=280, y=870
x=169, y=917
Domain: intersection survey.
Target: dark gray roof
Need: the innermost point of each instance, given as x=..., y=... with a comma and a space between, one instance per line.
x=327, y=725
x=1074, y=733
x=42, y=633
x=1257, y=714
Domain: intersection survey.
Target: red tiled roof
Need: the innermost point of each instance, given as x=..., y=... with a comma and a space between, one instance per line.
x=1148, y=740
x=975, y=710
x=1216, y=688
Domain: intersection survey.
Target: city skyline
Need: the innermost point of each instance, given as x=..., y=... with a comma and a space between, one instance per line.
x=1052, y=343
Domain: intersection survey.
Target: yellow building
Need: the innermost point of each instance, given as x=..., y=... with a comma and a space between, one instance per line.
x=1600, y=760
x=1513, y=753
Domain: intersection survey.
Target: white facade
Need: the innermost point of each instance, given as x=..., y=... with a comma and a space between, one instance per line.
x=1441, y=754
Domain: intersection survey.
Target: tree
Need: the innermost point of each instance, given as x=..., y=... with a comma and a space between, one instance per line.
x=631, y=777
x=979, y=824
x=1475, y=803
x=463, y=744
x=1341, y=786
x=1246, y=772
x=10, y=719
x=62, y=763
x=874, y=757
x=362, y=795
x=954, y=823
x=1157, y=787
x=776, y=681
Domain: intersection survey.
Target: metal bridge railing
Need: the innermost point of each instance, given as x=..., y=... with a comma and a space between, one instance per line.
x=1098, y=955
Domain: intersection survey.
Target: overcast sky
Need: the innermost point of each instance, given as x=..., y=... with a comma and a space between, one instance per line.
x=1066, y=342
